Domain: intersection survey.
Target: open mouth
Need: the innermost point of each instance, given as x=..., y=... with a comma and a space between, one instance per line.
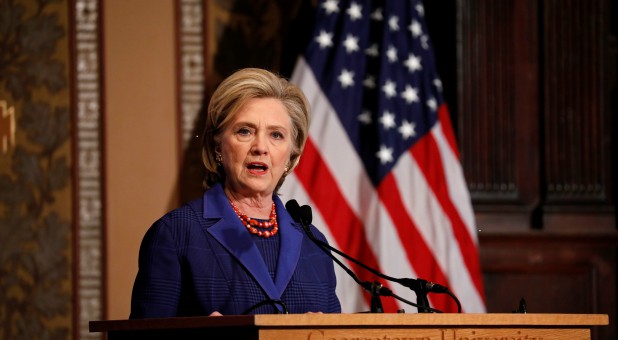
x=257, y=167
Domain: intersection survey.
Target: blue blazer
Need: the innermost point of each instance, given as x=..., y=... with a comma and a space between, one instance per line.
x=199, y=258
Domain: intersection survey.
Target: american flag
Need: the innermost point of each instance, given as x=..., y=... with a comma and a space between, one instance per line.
x=381, y=168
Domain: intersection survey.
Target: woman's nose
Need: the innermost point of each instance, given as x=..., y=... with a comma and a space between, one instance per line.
x=259, y=145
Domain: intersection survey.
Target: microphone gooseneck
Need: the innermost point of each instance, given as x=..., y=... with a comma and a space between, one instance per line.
x=421, y=287
x=304, y=216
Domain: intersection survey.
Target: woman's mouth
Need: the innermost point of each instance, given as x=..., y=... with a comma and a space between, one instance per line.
x=257, y=167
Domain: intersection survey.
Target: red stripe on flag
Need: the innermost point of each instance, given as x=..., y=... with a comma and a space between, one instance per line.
x=447, y=128
x=418, y=253
x=425, y=152
x=345, y=227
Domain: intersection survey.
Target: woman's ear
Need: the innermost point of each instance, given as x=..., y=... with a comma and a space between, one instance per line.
x=218, y=155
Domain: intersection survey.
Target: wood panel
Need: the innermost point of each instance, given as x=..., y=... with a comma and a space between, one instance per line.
x=498, y=102
x=534, y=112
x=554, y=274
x=576, y=120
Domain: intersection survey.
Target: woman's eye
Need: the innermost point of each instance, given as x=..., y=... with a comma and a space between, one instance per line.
x=277, y=135
x=244, y=131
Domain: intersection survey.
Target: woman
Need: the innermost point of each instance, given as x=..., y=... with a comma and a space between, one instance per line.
x=236, y=250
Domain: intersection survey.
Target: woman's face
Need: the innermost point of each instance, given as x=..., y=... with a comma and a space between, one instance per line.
x=256, y=147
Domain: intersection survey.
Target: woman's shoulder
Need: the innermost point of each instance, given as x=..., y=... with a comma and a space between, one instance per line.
x=178, y=224
x=188, y=212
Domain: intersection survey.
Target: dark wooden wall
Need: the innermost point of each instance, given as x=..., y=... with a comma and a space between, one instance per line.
x=533, y=87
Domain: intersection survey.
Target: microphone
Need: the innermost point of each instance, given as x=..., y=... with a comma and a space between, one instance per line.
x=421, y=287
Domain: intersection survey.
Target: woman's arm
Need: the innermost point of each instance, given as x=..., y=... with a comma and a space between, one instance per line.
x=156, y=291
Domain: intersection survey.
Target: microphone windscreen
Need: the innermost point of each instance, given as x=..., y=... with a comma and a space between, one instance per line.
x=305, y=214
x=293, y=209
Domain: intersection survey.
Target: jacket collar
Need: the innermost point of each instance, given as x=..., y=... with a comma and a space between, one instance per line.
x=231, y=234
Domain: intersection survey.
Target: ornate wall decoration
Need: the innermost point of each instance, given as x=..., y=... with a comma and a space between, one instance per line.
x=35, y=175
x=192, y=64
x=88, y=164
x=7, y=127
x=191, y=88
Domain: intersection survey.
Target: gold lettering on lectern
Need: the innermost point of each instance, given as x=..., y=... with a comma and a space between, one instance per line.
x=319, y=335
x=435, y=334
x=468, y=334
x=315, y=335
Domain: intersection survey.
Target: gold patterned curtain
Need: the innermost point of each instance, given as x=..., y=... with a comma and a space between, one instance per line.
x=35, y=171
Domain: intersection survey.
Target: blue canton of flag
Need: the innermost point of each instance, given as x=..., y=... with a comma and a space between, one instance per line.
x=378, y=51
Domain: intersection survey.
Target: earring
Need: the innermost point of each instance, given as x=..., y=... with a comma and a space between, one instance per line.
x=285, y=170
x=219, y=158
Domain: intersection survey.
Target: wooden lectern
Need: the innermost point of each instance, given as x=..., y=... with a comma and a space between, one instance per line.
x=358, y=327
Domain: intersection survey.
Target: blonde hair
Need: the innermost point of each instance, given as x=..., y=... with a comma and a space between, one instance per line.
x=231, y=95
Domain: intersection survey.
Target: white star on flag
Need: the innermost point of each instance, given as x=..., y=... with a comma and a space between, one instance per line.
x=391, y=54
x=377, y=14
x=388, y=120
x=346, y=78
x=413, y=63
x=407, y=130
x=324, y=39
x=369, y=82
x=355, y=11
x=331, y=6
x=432, y=104
x=389, y=89
x=393, y=23
x=410, y=95
x=351, y=43
x=416, y=29
x=385, y=154
x=373, y=50
x=365, y=117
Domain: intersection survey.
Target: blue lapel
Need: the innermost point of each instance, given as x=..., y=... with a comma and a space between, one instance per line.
x=232, y=235
x=289, y=250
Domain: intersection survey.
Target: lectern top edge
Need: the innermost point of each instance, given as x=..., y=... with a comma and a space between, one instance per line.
x=351, y=320
x=173, y=323
x=450, y=319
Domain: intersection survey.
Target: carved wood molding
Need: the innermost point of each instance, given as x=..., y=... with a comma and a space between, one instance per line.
x=192, y=65
x=191, y=88
x=89, y=224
